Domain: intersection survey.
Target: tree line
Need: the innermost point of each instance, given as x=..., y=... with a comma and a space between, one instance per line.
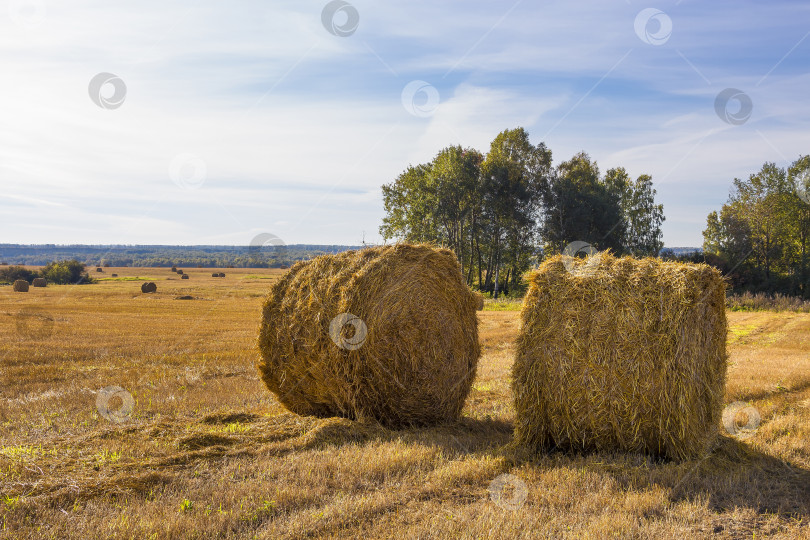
x=761, y=236
x=64, y=272
x=245, y=256
x=504, y=211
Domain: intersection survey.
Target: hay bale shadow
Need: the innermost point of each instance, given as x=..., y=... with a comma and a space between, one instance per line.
x=733, y=475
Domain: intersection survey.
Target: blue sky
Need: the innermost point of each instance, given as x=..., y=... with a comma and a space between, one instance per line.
x=247, y=117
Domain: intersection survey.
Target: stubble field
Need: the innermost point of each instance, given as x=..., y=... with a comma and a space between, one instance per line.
x=206, y=452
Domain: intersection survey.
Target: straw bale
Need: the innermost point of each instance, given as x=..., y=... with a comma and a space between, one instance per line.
x=148, y=287
x=39, y=282
x=20, y=285
x=621, y=354
x=386, y=333
x=184, y=276
x=479, y=300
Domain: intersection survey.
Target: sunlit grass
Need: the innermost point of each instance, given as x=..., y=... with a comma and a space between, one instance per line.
x=208, y=452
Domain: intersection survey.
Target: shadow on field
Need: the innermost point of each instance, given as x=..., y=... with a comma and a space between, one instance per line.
x=733, y=475
x=737, y=475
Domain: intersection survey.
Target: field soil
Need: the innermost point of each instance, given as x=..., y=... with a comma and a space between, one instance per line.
x=130, y=415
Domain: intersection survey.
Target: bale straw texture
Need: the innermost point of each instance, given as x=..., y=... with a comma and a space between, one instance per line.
x=621, y=353
x=416, y=358
x=20, y=285
x=39, y=282
x=479, y=300
x=184, y=276
x=149, y=287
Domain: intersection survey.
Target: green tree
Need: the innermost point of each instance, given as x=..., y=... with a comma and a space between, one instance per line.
x=13, y=273
x=66, y=272
x=514, y=175
x=581, y=207
x=642, y=217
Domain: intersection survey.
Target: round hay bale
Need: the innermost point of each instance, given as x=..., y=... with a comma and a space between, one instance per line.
x=180, y=272
x=148, y=287
x=174, y=269
x=39, y=282
x=621, y=354
x=184, y=276
x=99, y=269
x=20, y=285
x=114, y=275
x=386, y=333
x=479, y=300
x=215, y=274
x=222, y=274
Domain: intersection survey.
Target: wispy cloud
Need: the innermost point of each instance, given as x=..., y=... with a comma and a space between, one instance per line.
x=283, y=114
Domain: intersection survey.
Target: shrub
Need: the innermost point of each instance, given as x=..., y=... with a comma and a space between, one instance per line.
x=13, y=273
x=66, y=272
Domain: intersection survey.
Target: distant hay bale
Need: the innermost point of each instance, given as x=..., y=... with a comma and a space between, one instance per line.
x=184, y=276
x=114, y=275
x=222, y=274
x=148, y=287
x=479, y=300
x=387, y=333
x=99, y=269
x=215, y=274
x=39, y=282
x=20, y=285
x=184, y=297
x=179, y=271
x=174, y=269
x=621, y=354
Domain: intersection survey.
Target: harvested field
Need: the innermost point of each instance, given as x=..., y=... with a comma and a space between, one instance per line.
x=207, y=451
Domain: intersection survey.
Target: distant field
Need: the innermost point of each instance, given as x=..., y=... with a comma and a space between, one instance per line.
x=207, y=452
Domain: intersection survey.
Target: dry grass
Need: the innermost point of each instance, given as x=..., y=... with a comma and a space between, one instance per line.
x=207, y=452
x=766, y=302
